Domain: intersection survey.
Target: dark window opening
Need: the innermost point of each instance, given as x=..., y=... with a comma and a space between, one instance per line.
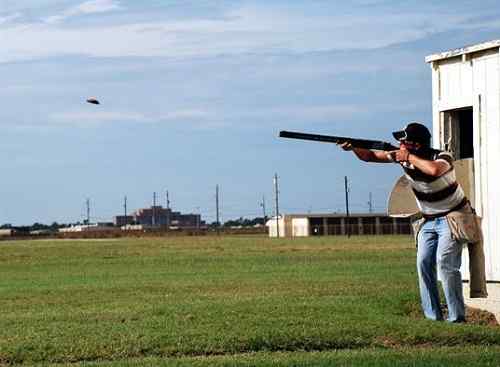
x=317, y=226
x=466, y=133
x=458, y=133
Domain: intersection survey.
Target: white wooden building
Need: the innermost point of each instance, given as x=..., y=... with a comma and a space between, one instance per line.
x=329, y=224
x=466, y=121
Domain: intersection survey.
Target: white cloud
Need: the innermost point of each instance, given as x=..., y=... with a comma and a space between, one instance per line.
x=86, y=118
x=246, y=30
x=88, y=7
x=83, y=118
x=186, y=114
x=204, y=118
x=302, y=113
x=9, y=18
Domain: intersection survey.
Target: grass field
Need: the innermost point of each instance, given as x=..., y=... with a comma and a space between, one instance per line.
x=205, y=301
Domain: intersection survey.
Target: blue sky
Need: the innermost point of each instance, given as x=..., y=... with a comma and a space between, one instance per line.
x=194, y=93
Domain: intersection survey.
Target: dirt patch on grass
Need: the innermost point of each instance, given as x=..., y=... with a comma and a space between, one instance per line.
x=480, y=317
x=473, y=316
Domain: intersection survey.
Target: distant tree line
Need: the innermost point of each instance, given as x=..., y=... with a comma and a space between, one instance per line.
x=240, y=222
x=35, y=227
x=244, y=222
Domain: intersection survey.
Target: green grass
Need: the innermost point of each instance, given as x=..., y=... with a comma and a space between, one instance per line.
x=224, y=301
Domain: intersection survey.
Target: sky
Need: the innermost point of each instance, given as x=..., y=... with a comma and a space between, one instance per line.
x=194, y=93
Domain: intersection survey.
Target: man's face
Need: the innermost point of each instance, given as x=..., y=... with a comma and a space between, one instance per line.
x=409, y=145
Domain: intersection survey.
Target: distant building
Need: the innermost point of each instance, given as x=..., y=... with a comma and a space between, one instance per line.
x=38, y=232
x=135, y=227
x=86, y=228
x=7, y=232
x=303, y=225
x=123, y=220
x=157, y=216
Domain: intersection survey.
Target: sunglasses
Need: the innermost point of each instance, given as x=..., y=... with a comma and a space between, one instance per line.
x=409, y=143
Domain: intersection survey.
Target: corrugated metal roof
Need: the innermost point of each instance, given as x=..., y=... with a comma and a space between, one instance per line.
x=463, y=51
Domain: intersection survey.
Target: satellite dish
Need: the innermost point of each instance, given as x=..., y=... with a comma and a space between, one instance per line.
x=402, y=201
x=93, y=100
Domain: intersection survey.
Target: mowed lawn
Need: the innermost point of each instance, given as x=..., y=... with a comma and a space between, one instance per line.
x=225, y=301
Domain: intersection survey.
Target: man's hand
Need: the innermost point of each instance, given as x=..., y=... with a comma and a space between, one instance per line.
x=401, y=155
x=429, y=167
x=365, y=154
x=345, y=146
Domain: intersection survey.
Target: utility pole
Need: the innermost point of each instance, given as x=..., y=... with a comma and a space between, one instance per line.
x=263, y=205
x=168, y=212
x=217, y=224
x=347, y=206
x=276, y=195
x=88, y=210
x=153, y=219
x=370, y=203
x=125, y=209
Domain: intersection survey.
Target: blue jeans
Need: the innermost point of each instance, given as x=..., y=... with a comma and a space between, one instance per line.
x=438, y=252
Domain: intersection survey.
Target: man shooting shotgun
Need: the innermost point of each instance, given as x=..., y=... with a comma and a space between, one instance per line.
x=448, y=221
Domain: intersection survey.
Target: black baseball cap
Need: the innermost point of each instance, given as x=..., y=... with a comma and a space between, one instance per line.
x=415, y=132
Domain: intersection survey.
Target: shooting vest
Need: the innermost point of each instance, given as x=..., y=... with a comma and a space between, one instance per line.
x=436, y=196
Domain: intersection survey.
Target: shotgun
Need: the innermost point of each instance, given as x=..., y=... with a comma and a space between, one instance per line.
x=356, y=143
